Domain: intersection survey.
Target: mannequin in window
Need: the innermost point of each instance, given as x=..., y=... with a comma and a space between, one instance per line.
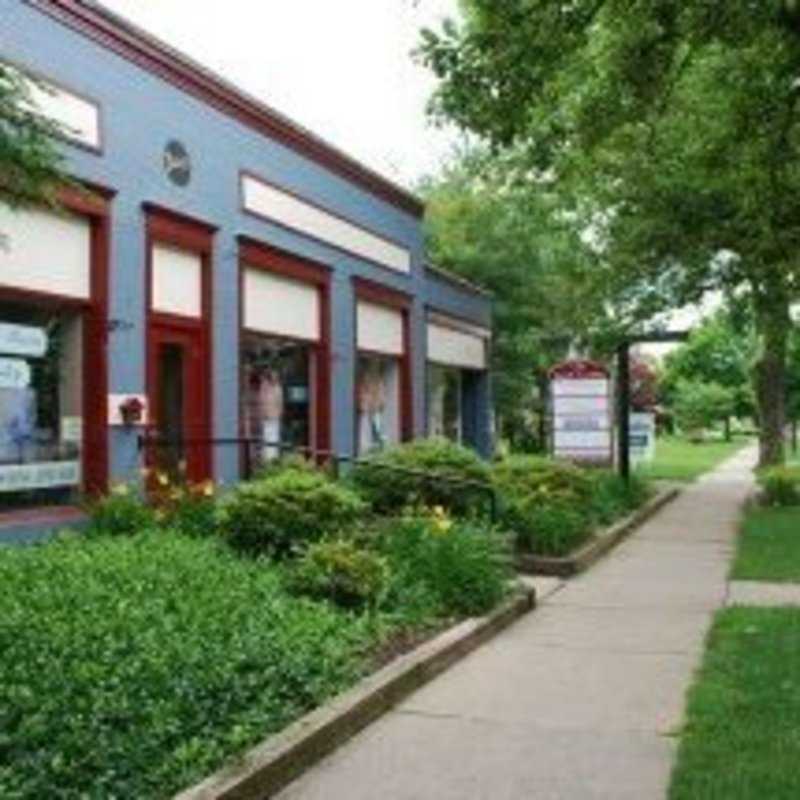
x=272, y=402
x=372, y=405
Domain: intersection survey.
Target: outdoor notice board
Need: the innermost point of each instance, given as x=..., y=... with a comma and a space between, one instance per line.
x=582, y=412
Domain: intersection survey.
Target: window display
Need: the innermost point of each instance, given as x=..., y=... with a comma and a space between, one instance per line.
x=277, y=395
x=444, y=402
x=378, y=401
x=41, y=405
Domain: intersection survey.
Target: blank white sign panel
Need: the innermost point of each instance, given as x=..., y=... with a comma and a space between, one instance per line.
x=380, y=329
x=269, y=201
x=456, y=348
x=45, y=252
x=177, y=281
x=280, y=306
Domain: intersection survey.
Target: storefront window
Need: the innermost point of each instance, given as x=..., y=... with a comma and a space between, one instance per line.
x=444, y=402
x=277, y=396
x=378, y=403
x=41, y=406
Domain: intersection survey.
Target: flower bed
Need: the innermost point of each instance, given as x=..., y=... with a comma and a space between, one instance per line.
x=135, y=662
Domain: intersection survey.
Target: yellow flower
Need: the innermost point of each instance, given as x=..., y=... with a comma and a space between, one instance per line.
x=121, y=490
x=208, y=489
x=163, y=478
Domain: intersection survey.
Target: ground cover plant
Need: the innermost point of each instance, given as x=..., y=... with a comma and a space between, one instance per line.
x=740, y=740
x=678, y=459
x=780, y=485
x=769, y=546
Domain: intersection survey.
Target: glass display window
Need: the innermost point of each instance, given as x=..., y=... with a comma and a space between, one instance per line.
x=445, y=393
x=41, y=405
x=378, y=403
x=278, y=396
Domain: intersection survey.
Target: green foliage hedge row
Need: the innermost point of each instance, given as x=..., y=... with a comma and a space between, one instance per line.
x=553, y=507
x=388, y=490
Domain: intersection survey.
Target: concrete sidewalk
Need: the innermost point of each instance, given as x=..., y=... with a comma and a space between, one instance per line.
x=579, y=699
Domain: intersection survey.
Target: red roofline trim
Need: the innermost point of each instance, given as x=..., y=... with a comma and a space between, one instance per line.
x=149, y=53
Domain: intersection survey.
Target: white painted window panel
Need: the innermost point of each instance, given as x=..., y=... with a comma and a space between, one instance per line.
x=280, y=306
x=78, y=119
x=177, y=281
x=380, y=329
x=456, y=348
x=580, y=387
x=269, y=201
x=45, y=252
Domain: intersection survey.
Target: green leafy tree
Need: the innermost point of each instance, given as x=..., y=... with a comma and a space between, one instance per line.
x=671, y=130
x=485, y=225
x=718, y=352
x=31, y=167
x=700, y=406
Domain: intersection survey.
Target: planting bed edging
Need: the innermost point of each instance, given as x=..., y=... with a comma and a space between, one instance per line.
x=598, y=546
x=272, y=765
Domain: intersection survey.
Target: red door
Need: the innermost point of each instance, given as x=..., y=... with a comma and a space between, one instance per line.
x=179, y=401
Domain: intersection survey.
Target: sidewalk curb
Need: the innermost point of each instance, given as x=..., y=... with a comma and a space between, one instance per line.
x=272, y=765
x=597, y=547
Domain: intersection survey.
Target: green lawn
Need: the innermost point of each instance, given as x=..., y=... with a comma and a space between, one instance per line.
x=769, y=546
x=680, y=460
x=742, y=738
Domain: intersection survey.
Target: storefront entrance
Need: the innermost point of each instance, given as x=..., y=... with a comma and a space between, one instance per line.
x=179, y=403
x=178, y=347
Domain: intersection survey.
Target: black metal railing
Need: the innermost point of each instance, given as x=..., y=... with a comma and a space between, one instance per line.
x=252, y=457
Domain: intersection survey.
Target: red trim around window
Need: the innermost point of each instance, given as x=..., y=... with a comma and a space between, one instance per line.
x=172, y=228
x=371, y=292
x=93, y=202
x=271, y=259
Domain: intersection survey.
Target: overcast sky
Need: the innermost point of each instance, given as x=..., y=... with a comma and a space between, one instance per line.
x=342, y=69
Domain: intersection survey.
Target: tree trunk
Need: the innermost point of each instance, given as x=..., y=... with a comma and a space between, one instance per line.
x=728, y=434
x=774, y=323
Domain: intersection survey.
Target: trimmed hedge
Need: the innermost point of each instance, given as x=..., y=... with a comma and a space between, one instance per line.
x=286, y=510
x=381, y=480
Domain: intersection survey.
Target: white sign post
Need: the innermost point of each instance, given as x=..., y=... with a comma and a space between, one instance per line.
x=582, y=413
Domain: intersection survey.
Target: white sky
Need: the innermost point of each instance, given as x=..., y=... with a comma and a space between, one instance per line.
x=342, y=69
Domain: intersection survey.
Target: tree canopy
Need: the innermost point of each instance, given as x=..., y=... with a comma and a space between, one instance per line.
x=670, y=131
x=485, y=225
x=31, y=167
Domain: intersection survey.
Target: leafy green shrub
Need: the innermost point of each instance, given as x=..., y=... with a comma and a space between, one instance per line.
x=548, y=529
x=613, y=497
x=457, y=568
x=781, y=486
x=381, y=481
x=123, y=512
x=546, y=479
x=132, y=667
x=341, y=571
x=285, y=510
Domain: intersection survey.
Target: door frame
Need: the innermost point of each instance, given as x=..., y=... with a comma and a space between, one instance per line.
x=170, y=228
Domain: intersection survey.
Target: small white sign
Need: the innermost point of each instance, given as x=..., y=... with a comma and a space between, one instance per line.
x=14, y=373
x=642, y=438
x=22, y=340
x=72, y=429
x=46, y=475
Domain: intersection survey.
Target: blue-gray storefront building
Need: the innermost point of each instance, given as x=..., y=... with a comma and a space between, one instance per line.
x=228, y=285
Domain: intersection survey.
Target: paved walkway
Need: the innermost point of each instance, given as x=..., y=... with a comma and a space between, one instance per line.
x=761, y=593
x=578, y=700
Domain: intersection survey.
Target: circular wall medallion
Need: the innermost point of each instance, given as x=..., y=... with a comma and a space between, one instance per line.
x=177, y=163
